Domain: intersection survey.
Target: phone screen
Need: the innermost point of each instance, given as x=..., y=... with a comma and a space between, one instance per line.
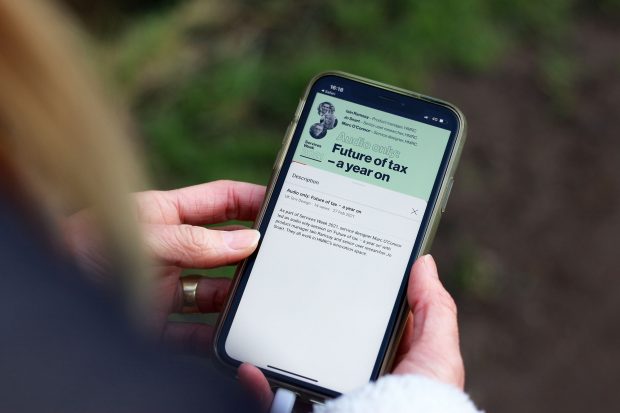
x=318, y=299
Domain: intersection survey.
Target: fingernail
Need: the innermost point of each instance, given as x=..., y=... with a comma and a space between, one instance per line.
x=241, y=239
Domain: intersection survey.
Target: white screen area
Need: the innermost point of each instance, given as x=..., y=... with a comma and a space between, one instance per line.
x=318, y=300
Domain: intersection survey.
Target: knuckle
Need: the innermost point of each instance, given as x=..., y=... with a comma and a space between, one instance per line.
x=232, y=200
x=194, y=239
x=432, y=296
x=226, y=190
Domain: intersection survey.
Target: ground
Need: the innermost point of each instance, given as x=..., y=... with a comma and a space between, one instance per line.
x=539, y=197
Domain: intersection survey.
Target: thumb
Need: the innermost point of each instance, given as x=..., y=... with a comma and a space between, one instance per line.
x=191, y=246
x=255, y=382
x=434, y=349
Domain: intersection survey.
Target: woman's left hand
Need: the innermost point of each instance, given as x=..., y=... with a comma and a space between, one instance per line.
x=172, y=226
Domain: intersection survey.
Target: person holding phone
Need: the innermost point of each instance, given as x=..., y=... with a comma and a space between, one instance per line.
x=428, y=367
x=80, y=300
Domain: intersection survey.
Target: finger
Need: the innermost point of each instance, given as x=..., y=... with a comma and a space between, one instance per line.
x=256, y=383
x=434, y=310
x=211, y=295
x=435, y=342
x=193, y=338
x=203, y=204
x=189, y=246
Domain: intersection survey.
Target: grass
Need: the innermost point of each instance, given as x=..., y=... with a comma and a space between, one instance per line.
x=213, y=85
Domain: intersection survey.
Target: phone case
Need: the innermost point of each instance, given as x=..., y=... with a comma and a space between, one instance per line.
x=427, y=237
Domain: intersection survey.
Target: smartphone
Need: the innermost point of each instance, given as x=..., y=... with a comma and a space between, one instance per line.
x=357, y=191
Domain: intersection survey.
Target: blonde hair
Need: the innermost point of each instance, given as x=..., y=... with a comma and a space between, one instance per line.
x=59, y=136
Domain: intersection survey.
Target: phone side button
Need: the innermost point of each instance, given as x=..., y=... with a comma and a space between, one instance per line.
x=447, y=195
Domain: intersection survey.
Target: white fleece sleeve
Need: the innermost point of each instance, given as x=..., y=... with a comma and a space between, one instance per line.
x=401, y=394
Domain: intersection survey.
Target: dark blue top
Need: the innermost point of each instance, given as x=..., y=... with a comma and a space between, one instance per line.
x=65, y=346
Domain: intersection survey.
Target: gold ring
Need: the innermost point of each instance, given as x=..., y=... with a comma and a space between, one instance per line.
x=189, y=287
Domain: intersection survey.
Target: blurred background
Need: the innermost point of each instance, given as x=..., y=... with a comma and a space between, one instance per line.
x=530, y=243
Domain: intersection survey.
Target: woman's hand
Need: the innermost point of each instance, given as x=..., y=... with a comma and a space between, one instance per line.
x=430, y=342
x=171, y=222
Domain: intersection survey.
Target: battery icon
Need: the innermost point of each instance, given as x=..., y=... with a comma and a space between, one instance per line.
x=440, y=120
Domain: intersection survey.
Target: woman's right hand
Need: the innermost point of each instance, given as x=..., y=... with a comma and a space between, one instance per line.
x=430, y=342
